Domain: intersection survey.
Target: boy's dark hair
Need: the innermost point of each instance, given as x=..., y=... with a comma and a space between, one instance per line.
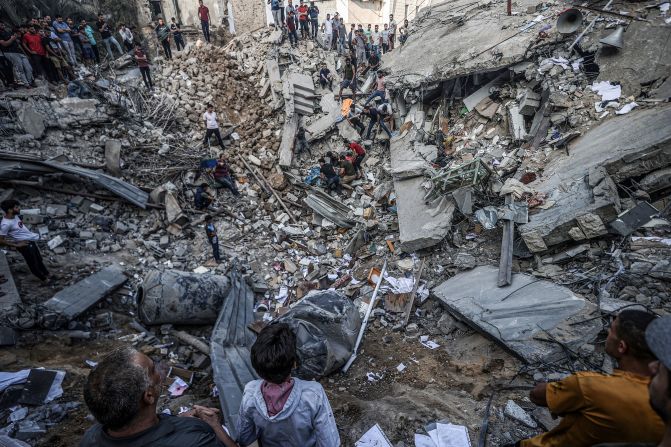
x=7, y=205
x=631, y=326
x=274, y=353
x=343, y=156
x=321, y=160
x=208, y=105
x=208, y=218
x=204, y=185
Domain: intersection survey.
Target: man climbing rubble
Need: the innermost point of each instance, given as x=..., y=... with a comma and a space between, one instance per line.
x=380, y=89
x=202, y=198
x=13, y=233
x=122, y=393
x=108, y=39
x=349, y=78
x=329, y=175
x=375, y=118
x=600, y=408
x=360, y=154
x=280, y=410
x=222, y=176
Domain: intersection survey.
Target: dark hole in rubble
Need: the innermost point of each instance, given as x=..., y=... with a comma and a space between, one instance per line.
x=590, y=67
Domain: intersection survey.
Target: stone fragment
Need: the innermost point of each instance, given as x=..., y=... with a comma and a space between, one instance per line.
x=517, y=413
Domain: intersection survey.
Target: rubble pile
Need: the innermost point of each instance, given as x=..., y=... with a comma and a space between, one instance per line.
x=525, y=172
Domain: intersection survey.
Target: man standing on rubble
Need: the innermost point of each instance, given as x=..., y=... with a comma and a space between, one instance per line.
x=213, y=239
x=313, y=13
x=9, y=45
x=63, y=32
x=222, y=175
x=108, y=38
x=349, y=79
x=303, y=20
x=13, y=233
x=122, y=393
x=596, y=407
x=328, y=32
x=163, y=35
x=392, y=31
x=276, y=10
x=211, y=126
x=176, y=30
x=143, y=65
x=291, y=29
x=204, y=14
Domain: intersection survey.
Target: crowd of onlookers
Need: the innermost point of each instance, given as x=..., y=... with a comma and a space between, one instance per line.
x=54, y=47
x=375, y=39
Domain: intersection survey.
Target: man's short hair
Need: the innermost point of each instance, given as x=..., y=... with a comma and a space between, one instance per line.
x=204, y=185
x=322, y=160
x=631, y=326
x=208, y=218
x=113, y=391
x=9, y=204
x=274, y=352
x=208, y=105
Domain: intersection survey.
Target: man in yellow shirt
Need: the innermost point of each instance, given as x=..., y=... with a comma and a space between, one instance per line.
x=598, y=408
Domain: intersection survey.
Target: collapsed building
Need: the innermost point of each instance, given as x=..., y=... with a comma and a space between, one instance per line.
x=529, y=177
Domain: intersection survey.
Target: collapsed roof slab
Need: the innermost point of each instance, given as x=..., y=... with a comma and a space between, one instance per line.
x=531, y=318
x=440, y=49
x=421, y=224
x=582, y=184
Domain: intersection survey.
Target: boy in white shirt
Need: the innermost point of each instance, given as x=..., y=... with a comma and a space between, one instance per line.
x=211, y=126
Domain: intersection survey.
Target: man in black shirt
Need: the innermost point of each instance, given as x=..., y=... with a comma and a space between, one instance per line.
x=163, y=34
x=329, y=174
x=9, y=44
x=176, y=30
x=106, y=33
x=375, y=117
x=122, y=393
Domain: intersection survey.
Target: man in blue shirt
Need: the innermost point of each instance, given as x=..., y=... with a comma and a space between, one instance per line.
x=63, y=32
x=211, y=232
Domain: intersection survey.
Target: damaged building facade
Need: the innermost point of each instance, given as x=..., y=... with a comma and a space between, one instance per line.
x=521, y=201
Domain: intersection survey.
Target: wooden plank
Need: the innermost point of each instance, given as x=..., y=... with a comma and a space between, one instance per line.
x=506, y=262
x=11, y=296
x=78, y=298
x=411, y=301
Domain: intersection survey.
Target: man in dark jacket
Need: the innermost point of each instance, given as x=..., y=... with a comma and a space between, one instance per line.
x=122, y=393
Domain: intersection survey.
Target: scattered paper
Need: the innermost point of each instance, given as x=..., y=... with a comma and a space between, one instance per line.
x=627, y=108
x=201, y=269
x=422, y=293
x=423, y=441
x=424, y=339
x=282, y=295
x=401, y=367
x=178, y=387
x=8, y=379
x=607, y=90
x=664, y=8
x=56, y=389
x=452, y=436
x=373, y=377
x=400, y=285
x=374, y=437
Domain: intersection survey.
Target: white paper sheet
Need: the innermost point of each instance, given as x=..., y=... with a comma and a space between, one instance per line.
x=607, y=91
x=8, y=379
x=452, y=436
x=374, y=437
x=626, y=108
x=423, y=441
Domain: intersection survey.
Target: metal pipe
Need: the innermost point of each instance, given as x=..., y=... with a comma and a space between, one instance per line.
x=365, y=320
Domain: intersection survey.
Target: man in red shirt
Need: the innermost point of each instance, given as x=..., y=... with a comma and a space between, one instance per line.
x=291, y=28
x=360, y=155
x=303, y=20
x=204, y=14
x=32, y=45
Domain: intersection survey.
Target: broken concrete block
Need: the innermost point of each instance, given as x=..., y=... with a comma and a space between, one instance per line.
x=86, y=234
x=55, y=242
x=591, y=225
x=517, y=413
x=91, y=244
x=97, y=208
x=289, y=266
x=628, y=146
x=529, y=103
x=120, y=227
x=30, y=120
x=576, y=234
x=57, y=210
x=516, y=124
x=113, y=157
x=534, y=241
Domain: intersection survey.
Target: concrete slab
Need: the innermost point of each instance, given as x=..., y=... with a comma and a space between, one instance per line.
x=583, y=182
x=30, y=120
x=524, y=317
x=287, y=144
x=79, y=297
x=412, y=160
x=644, y=57
x=426, y=58
x=302, y=90
x=320, y=126
x=421, y=224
